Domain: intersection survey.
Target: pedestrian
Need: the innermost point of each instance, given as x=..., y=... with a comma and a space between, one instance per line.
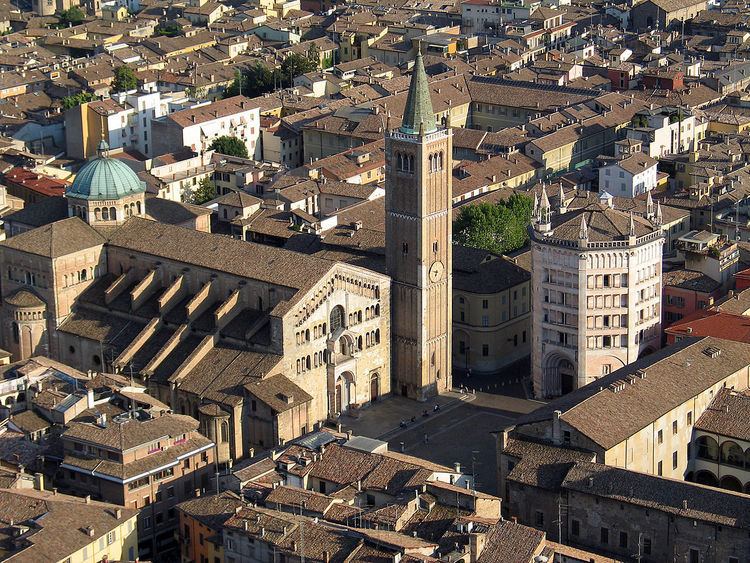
x=425, y=438
x=413, y=418
x=436, y=408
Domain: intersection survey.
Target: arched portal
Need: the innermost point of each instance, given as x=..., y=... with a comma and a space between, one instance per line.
x=374, y=387
x=559, y=375
x=344, y=393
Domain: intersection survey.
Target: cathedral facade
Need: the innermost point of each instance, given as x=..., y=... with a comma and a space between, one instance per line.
x=259, y=343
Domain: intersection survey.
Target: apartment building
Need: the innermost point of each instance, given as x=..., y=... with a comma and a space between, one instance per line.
x=197, y=127
x=201, y=523
x=628, y=175
x=482, y=16
x=145, y=460
x=40, y=525
x=667, y=130
x=123, y=121
x=596, y=302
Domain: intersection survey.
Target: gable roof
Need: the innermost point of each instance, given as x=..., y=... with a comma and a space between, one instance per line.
x=673, y=375
x=56, y=239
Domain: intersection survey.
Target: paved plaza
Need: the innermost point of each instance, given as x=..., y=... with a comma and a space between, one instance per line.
x=459, y=432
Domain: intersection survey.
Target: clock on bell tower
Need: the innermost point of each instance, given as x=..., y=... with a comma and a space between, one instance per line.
x=418, y=204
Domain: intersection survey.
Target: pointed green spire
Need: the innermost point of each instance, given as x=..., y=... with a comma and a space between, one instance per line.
x=418, y=115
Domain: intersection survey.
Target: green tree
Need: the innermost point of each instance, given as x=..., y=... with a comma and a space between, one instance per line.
x=124, y=79
x=500, y=227
x=171, y=29
x=255, y=80
x=295, y=65
x=313, y=53
x=206, y=191
x=231, y=146
x=77, y=99
x=72, y=16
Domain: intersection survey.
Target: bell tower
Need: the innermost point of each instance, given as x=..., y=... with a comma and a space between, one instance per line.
x=418, y=202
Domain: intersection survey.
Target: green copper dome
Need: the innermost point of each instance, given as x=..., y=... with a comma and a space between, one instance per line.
x=105, y=178
x=418, y=113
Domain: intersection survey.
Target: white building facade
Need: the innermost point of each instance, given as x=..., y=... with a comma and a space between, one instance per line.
x=634, y=175
x=596, y=294
x=198, y=126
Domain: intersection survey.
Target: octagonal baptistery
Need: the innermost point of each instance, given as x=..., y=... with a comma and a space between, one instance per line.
x=106, y=191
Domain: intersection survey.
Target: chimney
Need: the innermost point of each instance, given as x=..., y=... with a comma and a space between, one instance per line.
x=39, y=481
x=118, y=513
x=87, y=499
x=457, y=467
x=556, y=432
x=591, y=482
x=89, y=399
x=326, y=556
x=684, y=505
x=102, y=420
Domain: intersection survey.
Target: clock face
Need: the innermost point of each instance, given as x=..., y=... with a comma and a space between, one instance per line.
x=436, y=271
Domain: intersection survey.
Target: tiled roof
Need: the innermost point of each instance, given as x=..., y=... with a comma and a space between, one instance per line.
x=539, y=464
x=60, y=522
x=540, y=97
x=603, y=222
x=672, y=496
x=209, y=112
x=29, y=421
x=342, y=465
x=278, y=392
x=47, y=210
x=56, y=239
x=608, y=417
x=173, y=212
x=727, y=415
x=212, y=510
x=220, y=253
x=479, y=271
x=690, y=280
x=24, y=298
x=132, y=433
x=508, y=542
x=140, y=466
x=294, y=498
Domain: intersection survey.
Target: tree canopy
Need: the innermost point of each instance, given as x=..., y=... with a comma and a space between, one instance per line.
x=72, y=16
x=124, y=79
x=206, y=191
x=231, y=146
x=500, y=227
x=171, y=29
x=254, y=81
x=295, y=65
x=74, y=100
